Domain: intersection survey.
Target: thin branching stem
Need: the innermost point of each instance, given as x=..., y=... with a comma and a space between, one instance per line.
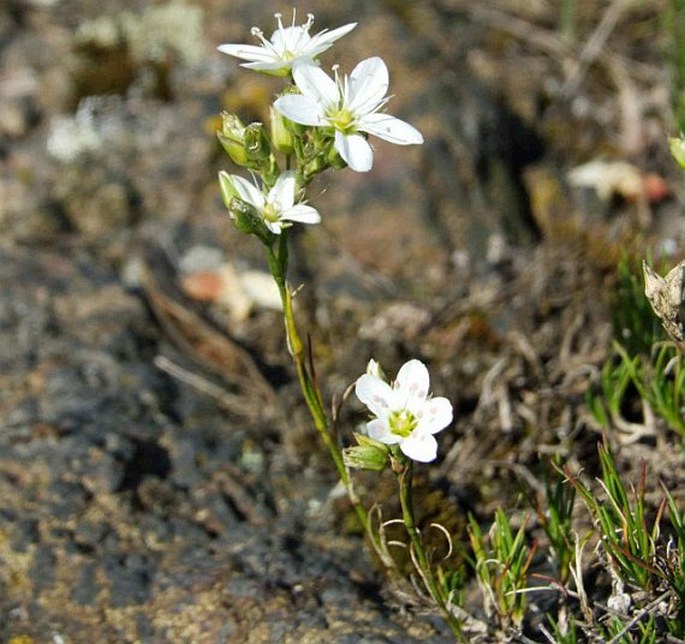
x=278, y=263
x=404, y=472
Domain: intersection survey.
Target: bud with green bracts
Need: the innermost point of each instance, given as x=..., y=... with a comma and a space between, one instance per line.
x=368, y=454
x=232, y=138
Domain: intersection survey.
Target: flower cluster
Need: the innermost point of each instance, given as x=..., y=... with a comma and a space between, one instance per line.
x=318, y=122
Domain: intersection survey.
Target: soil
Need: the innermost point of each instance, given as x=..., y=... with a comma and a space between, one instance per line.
x=159, y=477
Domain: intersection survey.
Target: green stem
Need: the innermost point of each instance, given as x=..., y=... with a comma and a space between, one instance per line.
x=278, y=263
x=567, y=22
x=675, y=16
x=403, y=469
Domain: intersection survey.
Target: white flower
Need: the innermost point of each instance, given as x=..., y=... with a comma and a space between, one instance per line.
x=405, y=413
x=350, y=106
x=278, y=208
x=288, y=47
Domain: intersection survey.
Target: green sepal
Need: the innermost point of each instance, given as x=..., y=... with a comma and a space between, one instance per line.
x=281, y=134
x=677, y=147
x=232, y=138
x=368, y=454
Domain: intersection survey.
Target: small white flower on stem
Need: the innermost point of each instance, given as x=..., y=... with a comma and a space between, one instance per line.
x=351, y=107
x=287, y=48
x=278, y=208
x=405, y=413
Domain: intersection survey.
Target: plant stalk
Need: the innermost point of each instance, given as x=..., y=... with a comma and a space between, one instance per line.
x=404, y=471
x=278, y=263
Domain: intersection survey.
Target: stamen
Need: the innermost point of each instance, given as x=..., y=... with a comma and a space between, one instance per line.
x=402, y=423
x=258, y=33
x=278, y=17
x=310, y=21
x=302, y=33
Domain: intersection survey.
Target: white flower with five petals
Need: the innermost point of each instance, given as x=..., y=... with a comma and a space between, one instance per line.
x=278, y=208
x=350, y=106
x=405, y=413
x=287, y=48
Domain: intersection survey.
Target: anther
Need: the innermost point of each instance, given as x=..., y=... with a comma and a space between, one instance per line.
x=278, y=17
x=258, y=33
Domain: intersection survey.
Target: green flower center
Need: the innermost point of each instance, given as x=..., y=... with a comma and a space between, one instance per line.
x=402, y=423
x=270, y=213
x=341, y=119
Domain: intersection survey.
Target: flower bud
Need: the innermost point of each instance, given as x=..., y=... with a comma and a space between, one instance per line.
x=281, y=137
x=368, y=454
x=374, y=369
x=257, y=145
x=232, y=138
x=677, y=146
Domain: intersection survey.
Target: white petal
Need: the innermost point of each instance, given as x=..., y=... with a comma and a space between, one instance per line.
x=378, y=430
x=375, y=394
x=355, y=150
x=324, y=39
x=292, y=39
x=274, y=226
x=420, y=447
x=435, y=414
x=277, y=67
x=303, y=61
x=282, y=195
x=413, y=380
x=313, y=81
x=249, y=52
x=390, y=129
x=301, y=109
x=302, y=213
x=368, y=85
x=248, y=192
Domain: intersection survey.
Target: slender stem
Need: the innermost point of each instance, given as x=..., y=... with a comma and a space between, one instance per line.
x=278, y=263
x=404, y=471
x=567, y=21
